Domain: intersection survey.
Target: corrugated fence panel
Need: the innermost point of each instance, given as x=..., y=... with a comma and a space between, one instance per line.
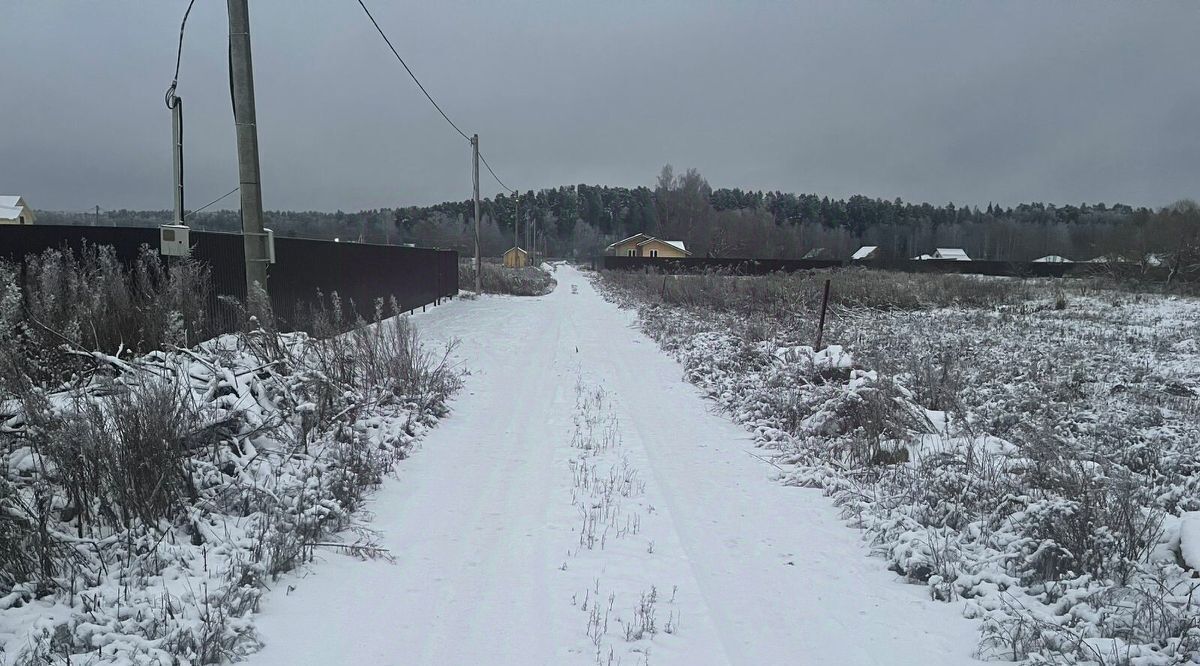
x=358, y=272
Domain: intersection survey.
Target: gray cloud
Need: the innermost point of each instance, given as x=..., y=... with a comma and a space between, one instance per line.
x=929, y=101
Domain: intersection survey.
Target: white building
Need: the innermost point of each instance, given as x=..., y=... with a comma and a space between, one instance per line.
x=951, y=253
x=13, y=210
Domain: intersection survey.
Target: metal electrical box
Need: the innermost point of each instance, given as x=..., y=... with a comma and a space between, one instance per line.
x=270, y=246
x=173, y=240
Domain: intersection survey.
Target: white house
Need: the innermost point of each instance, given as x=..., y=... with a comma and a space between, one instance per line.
x=13, y=210
x=951, y=253
x=865, y=252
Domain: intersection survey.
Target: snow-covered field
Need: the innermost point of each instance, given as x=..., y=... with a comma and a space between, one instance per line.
x=1027, y=470
x=583, y=505
x=1029, y=457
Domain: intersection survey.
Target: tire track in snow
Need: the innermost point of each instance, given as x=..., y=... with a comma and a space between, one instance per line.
x=481, y=523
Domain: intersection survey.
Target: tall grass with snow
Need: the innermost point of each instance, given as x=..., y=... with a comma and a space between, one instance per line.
x=1023, y=448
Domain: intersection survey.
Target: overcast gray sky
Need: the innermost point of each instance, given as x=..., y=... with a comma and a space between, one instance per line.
x=968, y=102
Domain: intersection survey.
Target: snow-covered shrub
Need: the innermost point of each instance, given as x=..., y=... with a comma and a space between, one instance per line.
x=10, y=300
x=27, y=559
x=499, y=279
x=146, y=501
x=91, y=301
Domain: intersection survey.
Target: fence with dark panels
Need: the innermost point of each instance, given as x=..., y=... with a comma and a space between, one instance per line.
x=732, y=265
x=765, y=266
x=358, y=272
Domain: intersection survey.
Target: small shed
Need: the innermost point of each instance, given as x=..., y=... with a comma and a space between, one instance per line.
x=515, y=257
x=951, y=254
x=14, y=210
x=865, y=253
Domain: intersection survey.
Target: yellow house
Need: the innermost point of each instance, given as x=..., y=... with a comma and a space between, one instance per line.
x=13, y=210
x=515, y=257
x=645, y=245
x=627, y=247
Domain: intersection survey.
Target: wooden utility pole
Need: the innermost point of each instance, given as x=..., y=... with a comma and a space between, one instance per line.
x=244, y=117
x=475, y=176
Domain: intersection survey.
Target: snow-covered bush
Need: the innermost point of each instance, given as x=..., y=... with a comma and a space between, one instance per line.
x=145, y=502
x=499, y=279
x=10, y=300
x=90, y=300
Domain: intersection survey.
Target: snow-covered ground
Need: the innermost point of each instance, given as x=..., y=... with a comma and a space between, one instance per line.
x=1027, y=448
x=578, y=468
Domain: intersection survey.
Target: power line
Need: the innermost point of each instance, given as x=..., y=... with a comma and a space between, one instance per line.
x=427, y=95
x=212, y=202
x=410, y=72
x=171, y=99
x=489, y=168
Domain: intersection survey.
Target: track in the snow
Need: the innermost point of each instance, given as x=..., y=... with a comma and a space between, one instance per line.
x=481, y=524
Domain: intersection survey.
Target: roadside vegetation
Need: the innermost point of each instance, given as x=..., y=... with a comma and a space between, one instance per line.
x=1025, y=448
x=499, y=279
x=155, y=477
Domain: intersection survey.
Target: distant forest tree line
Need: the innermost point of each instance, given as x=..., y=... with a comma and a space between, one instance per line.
x=581, y=220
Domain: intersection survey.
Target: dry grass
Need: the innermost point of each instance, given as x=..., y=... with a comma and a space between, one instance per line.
x=498, y=279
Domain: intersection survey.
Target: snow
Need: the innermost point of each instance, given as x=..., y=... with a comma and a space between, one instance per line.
x=864, y=252
x=488, y=523
x=954, y=253
x=1189, y=538
x=941, y=494
x=1052, y=259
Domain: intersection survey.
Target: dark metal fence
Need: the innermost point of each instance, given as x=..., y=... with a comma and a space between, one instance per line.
x=765, y=266
x=358, y=272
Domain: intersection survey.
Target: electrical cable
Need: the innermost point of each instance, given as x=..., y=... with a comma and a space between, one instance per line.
x=489, y=168
x=212, y=202
x=171, y=98
x=427, y=95
x=410, y=72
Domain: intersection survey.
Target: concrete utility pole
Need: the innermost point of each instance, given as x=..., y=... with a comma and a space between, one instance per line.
x=242, y=71
x=475, y=174
x=177, y=156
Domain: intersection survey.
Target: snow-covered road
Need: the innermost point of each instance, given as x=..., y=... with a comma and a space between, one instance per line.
x=484, y=524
